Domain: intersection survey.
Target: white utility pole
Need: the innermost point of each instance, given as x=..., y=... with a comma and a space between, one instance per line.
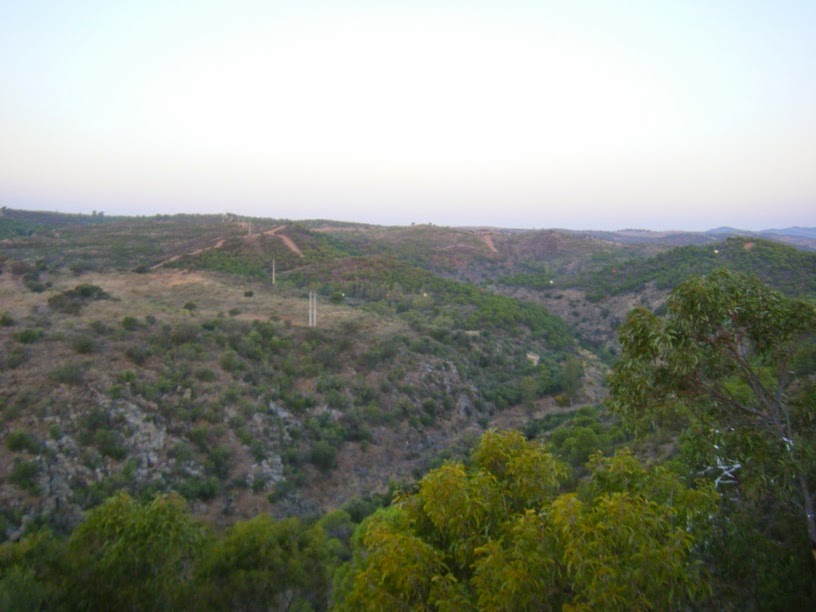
x=273, y=272
x=313, y=309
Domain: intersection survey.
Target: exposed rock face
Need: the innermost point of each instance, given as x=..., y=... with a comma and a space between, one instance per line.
x=134, y=451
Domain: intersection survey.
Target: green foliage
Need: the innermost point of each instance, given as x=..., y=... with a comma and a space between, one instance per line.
x=219, y=462
x=138, y=354
x=571, y=378
x=205, y=375
x=720, y=364
x=263, y=564
x=83, y=344
x=35, y=286
x=21, y=590
x=18, y=441
x=587, y=432
x=24, y=474
x=109, y=444
x=16, y=357
x=72, y=300
x=130, y=323
x=324, y=456
x=232, y=263
x=6, y=320
x=410, y=288
x=131, y=555
x=70, y=373
x=784, y=267
x=28, y=335
x=30, y=572
x=199, y=488
x=99, y=428
x=497, y=536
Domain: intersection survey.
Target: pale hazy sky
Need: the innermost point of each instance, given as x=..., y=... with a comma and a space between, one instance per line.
x=660, y=114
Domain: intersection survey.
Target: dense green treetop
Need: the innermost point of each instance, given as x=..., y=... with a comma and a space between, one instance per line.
x=497, y=536
x=732, y=364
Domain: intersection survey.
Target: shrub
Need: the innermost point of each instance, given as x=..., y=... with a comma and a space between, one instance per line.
x=72, y=301
x=323, y=456
x=182, y=452
x=137, y=354
x=130, y=323
x=66, y=305
x=24, y=475
x=258, y=484
x=291, y=456
x=107, y=441
x=184, y=333
x=88, y=292
x=18, y=441
x=230, y=361
x=219, y=461
x=205, y=375
x=198, y=488
x=200, y=436
x=29, y=335
x=84, y=345
x=5, y=319
x=69, y=374
x=281, y=490
x=99, y=328
x=34, y=285
x=16, y=358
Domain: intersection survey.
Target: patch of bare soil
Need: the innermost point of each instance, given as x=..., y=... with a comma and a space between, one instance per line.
x=488, y=240
x=290, y=244
x=161, y=264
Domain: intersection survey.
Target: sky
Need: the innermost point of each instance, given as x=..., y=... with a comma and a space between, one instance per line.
x=583, y=115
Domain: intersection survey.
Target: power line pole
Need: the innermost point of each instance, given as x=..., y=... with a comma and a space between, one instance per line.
x=312, y=309
x=273, y=272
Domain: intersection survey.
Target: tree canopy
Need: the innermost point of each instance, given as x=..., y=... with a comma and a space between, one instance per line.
x=496, y=535
x=731, y=363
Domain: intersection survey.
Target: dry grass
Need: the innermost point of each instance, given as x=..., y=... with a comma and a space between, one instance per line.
x=165, y=292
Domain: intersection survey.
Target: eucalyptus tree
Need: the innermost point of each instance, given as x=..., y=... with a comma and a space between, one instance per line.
x=497, y=535
x=732, y=362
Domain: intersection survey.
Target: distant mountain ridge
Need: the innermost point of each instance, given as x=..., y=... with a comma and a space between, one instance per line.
x=800, y=232
x=801, y=237
x=796, y=231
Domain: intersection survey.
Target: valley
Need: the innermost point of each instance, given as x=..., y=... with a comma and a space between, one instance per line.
x=158, y=355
